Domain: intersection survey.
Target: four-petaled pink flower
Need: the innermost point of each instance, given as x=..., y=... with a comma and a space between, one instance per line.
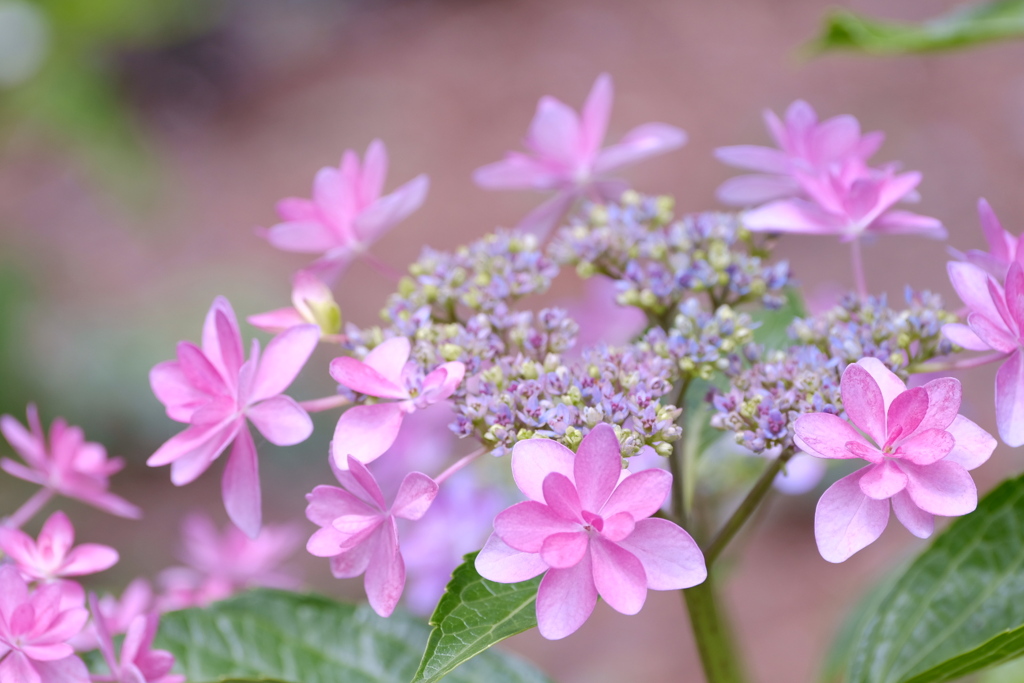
x=366, y=432
x=805, y=145
x=587, y=525
x=358, y=530
x=996, y=323
x=215, y=390
x=70, y=465
x=347, y=212
x=919, y=447
x=565, y=155
x=312, y=303
x=138, y=663
x=34, y=632
x=1003, y=247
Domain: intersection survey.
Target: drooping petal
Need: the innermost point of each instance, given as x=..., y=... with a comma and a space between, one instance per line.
x=414, y=496
x=643, y=142
x=565, y=599
x=846, y=520
x=618, y=576
x=366, y=432
x=524, y=526
x=825, y=436
x=391, y=209
x=916, y=520
x=641, y=494
x=534, y=459
x=241, y=485
x=669, y=555
x=597, y=467
x=281, y=420
x=882, y=481
x=564, y=550
x=863, y=402
x=283, y=359
x=385, y=575
x=942, y=488
x=1010, y=400
x=500, y=562
x=973, y=445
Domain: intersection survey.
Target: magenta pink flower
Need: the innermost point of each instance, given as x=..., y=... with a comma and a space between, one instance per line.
x=215, y=390
x=34, y=632
x=586, y=524
x=70, y=465
x=52, y=556
x=347, y=212
x=805, y=146
x=358, y=530
x=365, y=432
x=996, y=323
x=919, y=449
x=138, y=663
x=565, y=155
x=312, y=303
x=118, y=613
x=1003, y=247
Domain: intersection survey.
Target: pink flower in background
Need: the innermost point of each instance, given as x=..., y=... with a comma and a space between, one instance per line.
x=1003, y=247
x=919, y=449
x=52, y=556
x=366, y=432
x=69, y=465
x=587, y=525
x=215, y=390
x=358, y=530
x=34, y=631
x=118, y=613
x=312, y=303
x=347, y=212
x=138, y=663
x=805, y=146
x=564, y=154
x=995, y=323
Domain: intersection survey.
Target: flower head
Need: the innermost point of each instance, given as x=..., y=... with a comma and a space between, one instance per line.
x=69, y=464
x=587, y=525
x=215, y=391
x=919, y=449
x=138, y=663
x=1003, y=247
x=52, y=556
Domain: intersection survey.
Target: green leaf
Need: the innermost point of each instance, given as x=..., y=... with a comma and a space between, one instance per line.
x=474, y=614
x=962, y=27
x=772, y=332
x=271, y=636
x=958, y=608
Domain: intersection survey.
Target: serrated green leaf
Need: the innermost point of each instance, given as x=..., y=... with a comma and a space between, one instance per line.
x=958, y=608
x=962, y=27
x=474, y=614
x=269, y=636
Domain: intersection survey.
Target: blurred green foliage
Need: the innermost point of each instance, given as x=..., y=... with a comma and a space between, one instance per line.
x=962, y=27
x=15, y=302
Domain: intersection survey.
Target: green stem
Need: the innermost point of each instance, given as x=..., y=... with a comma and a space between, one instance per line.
x=678, y=462
x=714, y=641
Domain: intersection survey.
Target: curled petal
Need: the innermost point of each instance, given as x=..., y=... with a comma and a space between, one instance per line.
x=846, y=520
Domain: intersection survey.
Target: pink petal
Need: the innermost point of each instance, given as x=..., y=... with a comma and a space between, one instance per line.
x=944, y=396
x=375, y=170
x=283, y=359
x=917, y=521
x=353, y=561
x=640, y=494
x=942, y=488
x=994, y=335
x=971, y=284
x=89, y=558
x=618, y=526
x=560, y=495
x=1010, y=400
x=451, y=375
x=564, y=550
x=882, y=481
x=326, y=503
x=391, y=209
x=296, y=209
x=670, y=557
x=204, y=440
x=899, y=222
x=906, y=413
x=517, y=172
x=414, y=496
x=281, y=420
x=366, y=432
x=334, y=195
x=834, y=139
x=500, y=562
x=359, y=480
x=241, y=485
x=198, y=372
x=791, y=215
x=595, y=114
x=748, y=190
x=754, y=158
x=524, y=526
x=846, y=520
x=565, y=599
x=304, y=237
x=28, y=446
x=1015, y=295
x=385, y=575
x=994, y=233
x=534, y=459
x=16, y=668
x=973, y=445
x=888, y=383
x=597, y=467
x=173, y=389
x=389, y=359
x=619, y=576
x=648, y=140
x=542, y=220
x=360, y=377
x=58, y=533
x=863, y=402
x=554, y=133
x=18, y=545
x=926, y=446
x=222, y=342
x=825, y=436
x=963, y=336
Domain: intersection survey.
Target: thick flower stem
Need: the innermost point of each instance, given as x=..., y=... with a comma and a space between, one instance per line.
x=714, y=640
x=680, y=465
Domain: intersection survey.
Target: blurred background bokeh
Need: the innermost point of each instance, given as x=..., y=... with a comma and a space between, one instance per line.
x=141, y=144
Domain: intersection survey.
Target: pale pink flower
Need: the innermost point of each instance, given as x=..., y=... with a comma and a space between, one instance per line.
x=564, y=154
x=587, y=525
x=919, y=449
x=1003, y=247
x=805, y=146
x=358, y=530
x=69, y=465
x=118, y=613
x=366, y=432
x=995, y=323
x=312, y=303
x=138, y=663
x=215, y=390
x=347, y=212
x=34, y=631
x=53, y=555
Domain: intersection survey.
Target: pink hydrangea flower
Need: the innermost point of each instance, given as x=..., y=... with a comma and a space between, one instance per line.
x=564, y=154
x=69, y=465
x=358, y=530
x=805, y=146
x=919, y=449
x=312, y=303
x=34, y=631
x=51, y=557
x=366, y=432
x=347, y=212
x=995, y=323
x=215, y=391
x=118, y=613
x=1003, y=247
x=138, y=663
x=587, y=525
